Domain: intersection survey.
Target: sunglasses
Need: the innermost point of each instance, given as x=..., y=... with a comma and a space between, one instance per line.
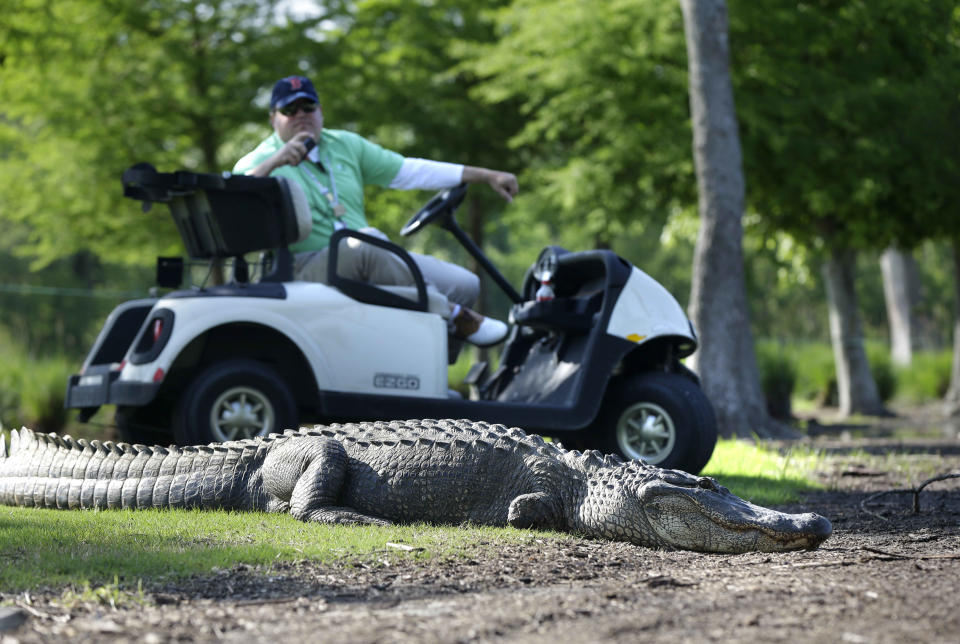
x=290, y=110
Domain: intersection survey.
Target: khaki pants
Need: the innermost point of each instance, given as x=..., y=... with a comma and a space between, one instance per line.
x=369, y=263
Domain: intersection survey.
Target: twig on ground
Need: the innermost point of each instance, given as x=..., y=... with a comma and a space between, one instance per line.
x=916, y=494
x=915, y=491
x=266, y=600
x=883, y=556
x=899, y=555
x=33, y=611
x=814, y=564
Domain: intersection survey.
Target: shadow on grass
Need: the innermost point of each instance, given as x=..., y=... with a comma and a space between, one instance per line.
x=765, y=490
x=51, y=547
x=56, y=548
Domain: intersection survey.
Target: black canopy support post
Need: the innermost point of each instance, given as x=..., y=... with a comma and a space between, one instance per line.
x=449, y=223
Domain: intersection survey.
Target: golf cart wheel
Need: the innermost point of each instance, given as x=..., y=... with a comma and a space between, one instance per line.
x=664, y=419
x=234, y=400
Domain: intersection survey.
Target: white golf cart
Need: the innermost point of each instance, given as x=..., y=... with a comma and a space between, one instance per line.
x=597, y=366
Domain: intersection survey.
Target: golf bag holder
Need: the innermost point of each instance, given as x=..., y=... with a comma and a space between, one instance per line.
x=223, y=216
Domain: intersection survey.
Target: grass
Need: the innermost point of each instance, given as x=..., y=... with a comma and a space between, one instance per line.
x=911, y=471
x=762, y=474
x=926, y=378
x=113, y=595
x=89, y=549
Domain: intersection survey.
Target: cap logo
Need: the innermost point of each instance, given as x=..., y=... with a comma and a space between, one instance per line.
x=294, y=83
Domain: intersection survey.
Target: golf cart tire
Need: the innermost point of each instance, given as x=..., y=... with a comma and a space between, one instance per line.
x=662, y=418
x=233, y=400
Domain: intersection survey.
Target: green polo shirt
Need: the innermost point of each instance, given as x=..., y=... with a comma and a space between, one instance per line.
x=354, y=162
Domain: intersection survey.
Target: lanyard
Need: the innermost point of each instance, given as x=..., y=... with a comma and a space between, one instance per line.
x=331, y=194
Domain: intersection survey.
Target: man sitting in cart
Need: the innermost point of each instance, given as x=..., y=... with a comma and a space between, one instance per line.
x=332, y=175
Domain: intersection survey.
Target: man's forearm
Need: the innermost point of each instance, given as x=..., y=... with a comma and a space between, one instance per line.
x=473, y=174
x=266, y=166
x=504, y=183
x=292, y=153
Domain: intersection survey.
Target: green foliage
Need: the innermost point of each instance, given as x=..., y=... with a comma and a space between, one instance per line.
x=808, y=370
x=815, y=372
x=59, y=308
x=32, y=389
x=399, y=81
x=936, y=304
x=842, y=107
x=926, y=378
x=848, y=118
x=784, y=288
x=42, y=394
x=778, y=376
x=13, y=367
x=602, y=88
x=881, y=366
x=166, y=81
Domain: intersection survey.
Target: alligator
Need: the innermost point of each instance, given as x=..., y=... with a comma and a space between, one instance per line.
x=434, y=471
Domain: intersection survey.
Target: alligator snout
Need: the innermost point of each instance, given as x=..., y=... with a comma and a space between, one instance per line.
x=714, y=520
x=818, y=527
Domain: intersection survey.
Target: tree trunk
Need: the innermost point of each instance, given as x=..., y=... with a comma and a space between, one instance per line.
x=856, y=387
x=726, y=360
x=952, y=399
x=900, y=291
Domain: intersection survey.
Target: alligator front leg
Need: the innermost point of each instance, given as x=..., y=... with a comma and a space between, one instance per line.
x=535, y=510
x=308, y=475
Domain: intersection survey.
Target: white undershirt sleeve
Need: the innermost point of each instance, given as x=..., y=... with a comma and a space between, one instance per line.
x=424, y=174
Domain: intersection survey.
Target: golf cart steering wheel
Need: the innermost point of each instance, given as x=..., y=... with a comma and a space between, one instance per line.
x=442, y=204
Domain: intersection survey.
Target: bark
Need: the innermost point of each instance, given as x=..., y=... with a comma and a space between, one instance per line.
x=900, y=291
x=952, y=399
x=856, y=386
x=726, y=361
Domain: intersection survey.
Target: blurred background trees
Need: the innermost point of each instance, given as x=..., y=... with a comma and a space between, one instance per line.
x=848, y=119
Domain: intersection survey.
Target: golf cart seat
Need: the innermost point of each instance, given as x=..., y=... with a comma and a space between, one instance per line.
x=223, y=216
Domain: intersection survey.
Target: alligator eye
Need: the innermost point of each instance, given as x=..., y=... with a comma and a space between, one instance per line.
x=707, y=484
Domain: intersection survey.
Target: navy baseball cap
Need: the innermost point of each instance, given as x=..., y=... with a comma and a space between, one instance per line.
x=291, y=88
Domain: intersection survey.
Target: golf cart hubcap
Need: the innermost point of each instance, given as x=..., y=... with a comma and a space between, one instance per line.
x=241, y=412
x=646, y=431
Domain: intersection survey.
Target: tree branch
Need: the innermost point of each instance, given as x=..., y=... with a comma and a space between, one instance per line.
x=915, y=491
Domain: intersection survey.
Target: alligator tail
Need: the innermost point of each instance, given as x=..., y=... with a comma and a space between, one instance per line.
x=46, y=470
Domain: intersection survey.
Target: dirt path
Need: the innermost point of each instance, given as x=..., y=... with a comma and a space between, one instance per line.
x=886, y=575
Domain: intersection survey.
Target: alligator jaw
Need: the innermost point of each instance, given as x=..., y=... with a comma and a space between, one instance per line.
x=709, y=518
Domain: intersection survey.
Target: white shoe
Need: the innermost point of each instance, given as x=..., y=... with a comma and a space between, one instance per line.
x=477, y=329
